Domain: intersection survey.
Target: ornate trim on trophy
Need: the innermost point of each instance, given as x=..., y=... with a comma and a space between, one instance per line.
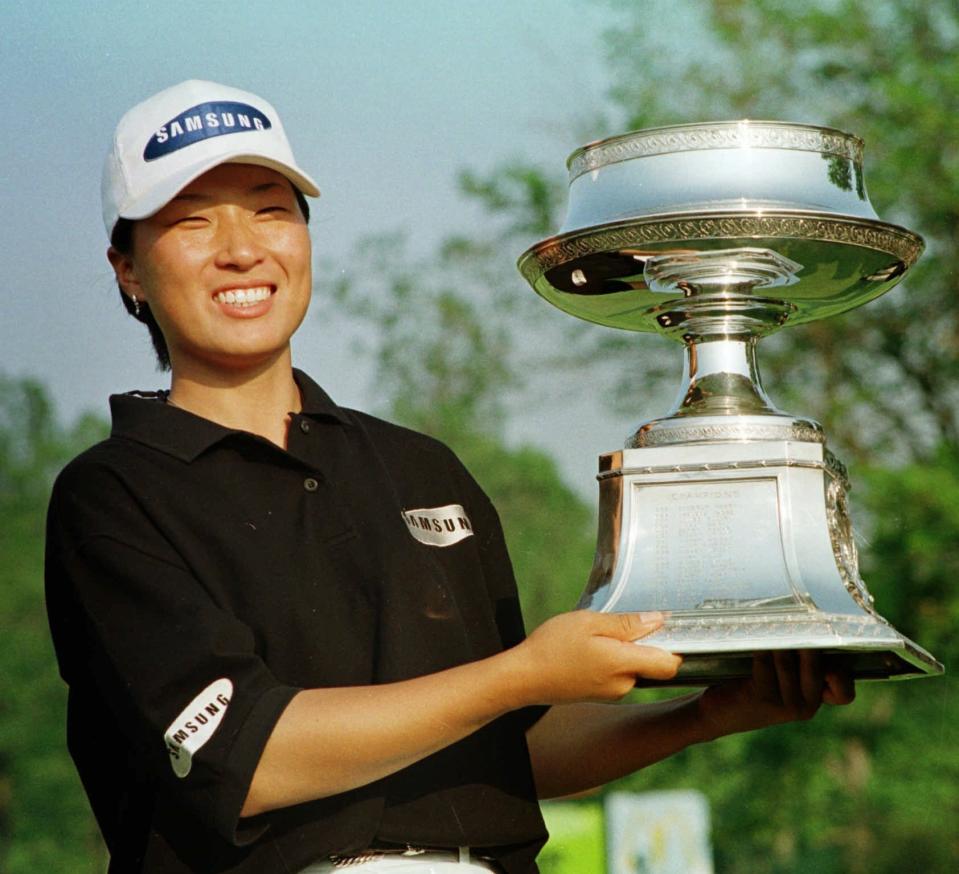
x=836, y=469
x=712, y=467
x=879, y=236
x=739, y=627
x=841, y=534
x=714, y=135
x=724, y=433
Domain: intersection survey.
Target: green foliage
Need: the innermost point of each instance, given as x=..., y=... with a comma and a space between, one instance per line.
x=529, y=199
x=549, y=530
x=912, y=553
x=44, y=815
x=442, y=365
x=575, y=838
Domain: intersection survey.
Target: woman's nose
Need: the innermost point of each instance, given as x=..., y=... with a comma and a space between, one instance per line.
x=238, y=246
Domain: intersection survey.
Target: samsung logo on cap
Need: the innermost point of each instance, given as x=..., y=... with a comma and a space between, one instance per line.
x=201, y=122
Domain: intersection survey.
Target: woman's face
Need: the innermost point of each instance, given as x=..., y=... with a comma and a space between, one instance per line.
x=224, y=267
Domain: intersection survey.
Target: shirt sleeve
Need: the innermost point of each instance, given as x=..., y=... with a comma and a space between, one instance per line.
x=136, y=633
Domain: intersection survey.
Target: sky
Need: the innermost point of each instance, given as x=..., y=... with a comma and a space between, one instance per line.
x=384, y=103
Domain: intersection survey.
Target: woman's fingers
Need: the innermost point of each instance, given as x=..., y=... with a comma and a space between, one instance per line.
x=626, y=626
x=839, y=688
x=812, y=677
x=595, y=656
x=804, y=682
x=586, y=656
x=649, y=662
x=787, y=675
x=654, y=663
x=765, y=681
x=784, y=686
x=799, y=690
x=625, y=630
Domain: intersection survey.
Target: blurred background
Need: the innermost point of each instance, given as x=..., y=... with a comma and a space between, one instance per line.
x=438, y=133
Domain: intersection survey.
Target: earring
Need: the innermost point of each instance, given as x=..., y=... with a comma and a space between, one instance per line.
x=136, y=306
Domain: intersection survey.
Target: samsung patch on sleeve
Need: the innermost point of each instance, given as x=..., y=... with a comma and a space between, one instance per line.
x=196, y=724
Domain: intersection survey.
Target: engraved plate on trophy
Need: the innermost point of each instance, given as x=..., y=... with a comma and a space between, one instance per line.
x=728, y=513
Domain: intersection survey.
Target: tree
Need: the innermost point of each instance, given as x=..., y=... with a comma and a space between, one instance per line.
x=44, y=816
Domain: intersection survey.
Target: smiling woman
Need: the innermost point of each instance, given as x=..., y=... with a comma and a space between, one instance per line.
x=121, y=241
x=300, y=621
x=224, y=268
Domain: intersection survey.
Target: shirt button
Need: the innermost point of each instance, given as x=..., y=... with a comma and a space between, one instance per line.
x=310, y=484
x=304, y=426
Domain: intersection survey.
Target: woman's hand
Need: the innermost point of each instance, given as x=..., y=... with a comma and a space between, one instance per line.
x=588, y=656
x=784, y=687
x=578, y=746
x=330, y=740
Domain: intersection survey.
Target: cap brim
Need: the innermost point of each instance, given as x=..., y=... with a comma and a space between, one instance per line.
x=161, y=194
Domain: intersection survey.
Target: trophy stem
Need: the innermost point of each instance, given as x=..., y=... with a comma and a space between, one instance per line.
x=720, y=306
x=721, y=378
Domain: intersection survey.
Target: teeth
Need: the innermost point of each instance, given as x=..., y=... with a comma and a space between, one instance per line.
x=243, y=296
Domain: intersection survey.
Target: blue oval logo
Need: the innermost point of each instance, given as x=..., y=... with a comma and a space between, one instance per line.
x=201, y=122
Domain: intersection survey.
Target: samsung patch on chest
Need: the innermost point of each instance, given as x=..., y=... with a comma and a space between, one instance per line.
x=439, y=526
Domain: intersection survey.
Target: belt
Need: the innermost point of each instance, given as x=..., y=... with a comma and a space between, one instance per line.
x=461, y=855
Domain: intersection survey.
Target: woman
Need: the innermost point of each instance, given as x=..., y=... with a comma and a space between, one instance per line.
x=290, y=631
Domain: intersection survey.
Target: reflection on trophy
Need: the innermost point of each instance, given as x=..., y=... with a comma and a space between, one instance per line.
x=728, y=513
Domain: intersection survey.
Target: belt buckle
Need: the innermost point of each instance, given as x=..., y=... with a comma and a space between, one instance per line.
x=358, y=859
x=375, y=855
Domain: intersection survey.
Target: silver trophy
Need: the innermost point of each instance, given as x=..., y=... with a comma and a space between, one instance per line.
x=727, y=513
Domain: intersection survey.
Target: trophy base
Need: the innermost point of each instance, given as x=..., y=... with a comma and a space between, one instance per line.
x=706, y=670
x=748, y=548
x=868, y=647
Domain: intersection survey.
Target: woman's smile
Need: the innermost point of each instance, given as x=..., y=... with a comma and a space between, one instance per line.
x=234, y=237
x=245, y=302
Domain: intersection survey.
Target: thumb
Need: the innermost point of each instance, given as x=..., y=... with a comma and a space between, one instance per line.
x=839, y=688
x=628, y=626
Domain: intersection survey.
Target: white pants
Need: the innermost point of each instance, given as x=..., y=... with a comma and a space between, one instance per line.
x=424, y=863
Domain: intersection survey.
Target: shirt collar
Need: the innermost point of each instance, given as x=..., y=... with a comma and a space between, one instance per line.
x=147, y=419
x=317, y=403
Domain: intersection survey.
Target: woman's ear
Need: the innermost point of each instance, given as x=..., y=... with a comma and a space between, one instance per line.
x=125, y=273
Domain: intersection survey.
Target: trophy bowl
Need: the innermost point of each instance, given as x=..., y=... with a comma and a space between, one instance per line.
x=727, y=513
x=795, y=189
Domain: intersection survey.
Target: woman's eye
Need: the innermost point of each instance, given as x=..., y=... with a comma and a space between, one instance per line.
x=275, y=209
x=191, y=221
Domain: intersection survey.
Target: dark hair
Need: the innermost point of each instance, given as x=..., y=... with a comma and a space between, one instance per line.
x=122, y=240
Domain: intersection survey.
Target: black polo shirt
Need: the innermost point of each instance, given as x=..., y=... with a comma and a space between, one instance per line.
x=198, y=577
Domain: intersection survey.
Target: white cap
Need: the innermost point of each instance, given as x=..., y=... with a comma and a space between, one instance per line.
x=163, y=144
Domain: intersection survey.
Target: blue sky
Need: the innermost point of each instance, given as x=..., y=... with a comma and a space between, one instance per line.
x=384, y=103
